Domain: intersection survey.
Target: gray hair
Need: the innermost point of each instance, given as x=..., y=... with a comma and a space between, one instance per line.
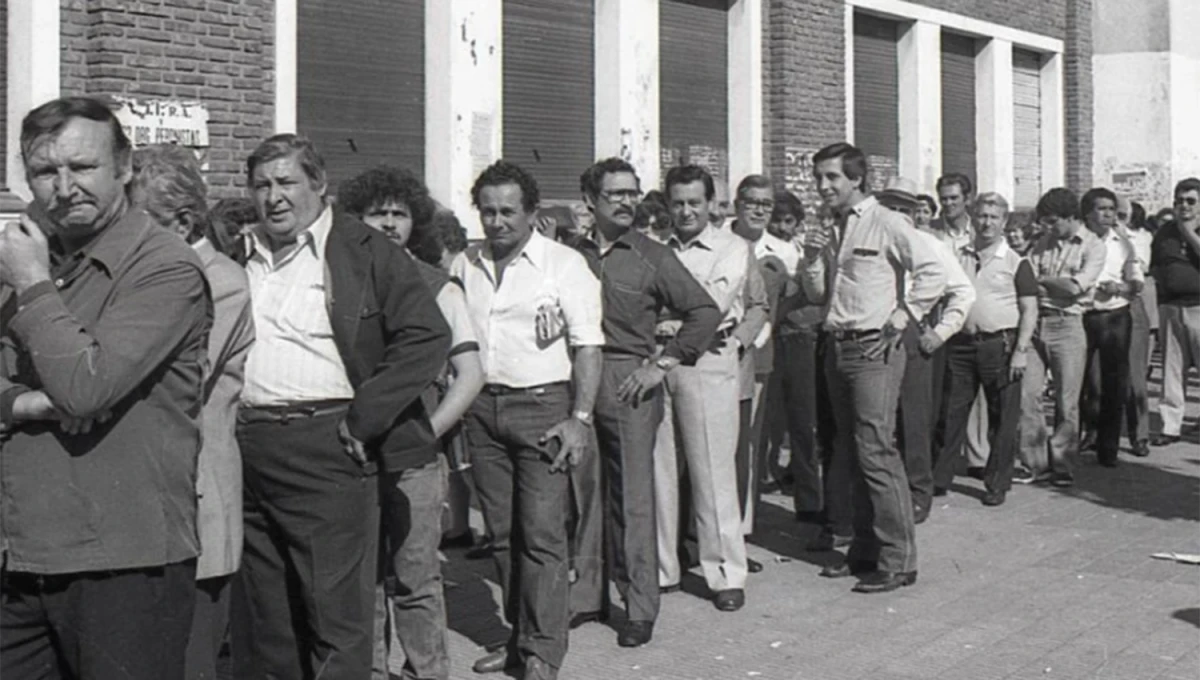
x=283, y=145
x=168, y=179
x=991, y=198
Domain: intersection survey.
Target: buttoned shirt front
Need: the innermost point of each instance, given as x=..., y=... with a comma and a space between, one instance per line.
x=878, y=263
x=1120, y=266
x=1079, y=257
x=294, y=358
x=1000, y=277
x=719, y=259
x=955, y=239
x=547, y=300
x=769, y=245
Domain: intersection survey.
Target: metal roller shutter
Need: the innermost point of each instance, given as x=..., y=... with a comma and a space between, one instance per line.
x=958, y=104
x=360, y=86
x=4, y=82
x=694, y=84
x=877, y=94
x=1027, y=135
x=549, y=105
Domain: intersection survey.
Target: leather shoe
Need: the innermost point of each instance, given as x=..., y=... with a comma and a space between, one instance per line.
x=730, y=600
x=753, y=566
x=847, y=568
x=1142, y=448
x=667, y=590
x=1088, y=441
x=1108, y=460
x=883, y=581
x=975, y=472
x=993, y=498
x=481, y=551
x=940, y=491
x=495, y=662
x=1062, y=479
x=635, y=633
x=587, y=617
x=1163, y=439
x=536, y=669
x=921, y=512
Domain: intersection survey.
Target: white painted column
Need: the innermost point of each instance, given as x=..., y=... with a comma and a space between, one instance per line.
x=33, y=75
x=463, y=90
x=919, y=52
x=286, y=25
x=1184, y=88
x=745, y=89
x=1054, y=145
x=626, y=85
x=994, y=121
x=848, y=60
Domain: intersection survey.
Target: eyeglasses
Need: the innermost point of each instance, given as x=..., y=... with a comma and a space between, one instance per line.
x=621, y=195
x=1188, y=200
x=766, y=204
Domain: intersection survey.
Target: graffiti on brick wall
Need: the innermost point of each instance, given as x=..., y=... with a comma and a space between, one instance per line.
x=883, y=168
x=798, y=179
x=1146, y=183
x=713, y=159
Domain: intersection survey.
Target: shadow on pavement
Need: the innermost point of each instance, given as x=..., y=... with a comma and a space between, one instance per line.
x=1141, y=486
x=1190, y=615
x=471, y=609
x=778, y=531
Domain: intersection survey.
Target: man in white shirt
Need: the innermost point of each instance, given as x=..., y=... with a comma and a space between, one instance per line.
x=1108, y=325
x=538, y=307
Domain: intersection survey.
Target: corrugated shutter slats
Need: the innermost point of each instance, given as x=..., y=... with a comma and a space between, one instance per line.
x=876, y=87
x=693, y=84
x=1027, y=133
x=958, y=104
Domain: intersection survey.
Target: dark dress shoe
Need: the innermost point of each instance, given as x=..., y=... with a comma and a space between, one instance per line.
x=993, y=498
x=588, y=617
x=940, y=491
x=847, y=568
x=635, y=633
x=536, y=669
x=1108, y=460
x=481, y=551
x=495, y=662
x=463, y=540
x=809, y=516
x=667, y=590
x=1142, y=448
x=921, y=512
x=975, y=472
x=1163, y=439
x=1088, y=441
x=753, y=566
x=883, y=581
x=1062, y=479
x=730, y=600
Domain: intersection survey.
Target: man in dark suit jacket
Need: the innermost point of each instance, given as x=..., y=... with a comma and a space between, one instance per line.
x=349, y=336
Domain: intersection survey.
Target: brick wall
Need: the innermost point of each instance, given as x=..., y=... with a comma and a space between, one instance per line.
x=218, y=52
x=1046, y=17
x=1077, y=73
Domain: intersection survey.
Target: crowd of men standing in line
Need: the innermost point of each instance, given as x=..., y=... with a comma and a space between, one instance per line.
x=273, y=413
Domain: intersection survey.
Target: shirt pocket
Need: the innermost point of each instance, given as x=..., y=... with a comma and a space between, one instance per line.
x=305, y=313
x=549, y=322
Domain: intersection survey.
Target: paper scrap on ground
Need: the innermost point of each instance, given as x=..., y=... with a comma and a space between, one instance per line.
x=1184, y=558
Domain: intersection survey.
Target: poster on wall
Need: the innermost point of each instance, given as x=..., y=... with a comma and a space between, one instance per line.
x=165, y=121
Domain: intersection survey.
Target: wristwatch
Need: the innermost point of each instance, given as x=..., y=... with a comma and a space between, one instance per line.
x=666, y=363
x=583, y=417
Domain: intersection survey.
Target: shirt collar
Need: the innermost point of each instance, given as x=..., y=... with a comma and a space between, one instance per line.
x=314, y=237
x=703, y=239
x=112, y=244
x=534, y=251
x=864, y=205
x=627, y=239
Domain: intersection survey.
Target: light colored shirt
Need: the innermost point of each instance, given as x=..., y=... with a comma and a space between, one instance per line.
x=452, y=303
x=547, y=290
x=1121, y=266
x=1000, y=277
x=1142, y=239
x=862, y=274
x=1079, y=258
x=951, y=311
x=955, y=239
x=719, y=259
x=294, y=357
x=773, y=246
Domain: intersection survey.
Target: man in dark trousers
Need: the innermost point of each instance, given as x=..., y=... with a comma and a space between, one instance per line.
x=349, y=336
x=638, y=278
x=105, y=321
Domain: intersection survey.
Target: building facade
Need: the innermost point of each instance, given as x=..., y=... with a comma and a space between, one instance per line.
x=998, y=89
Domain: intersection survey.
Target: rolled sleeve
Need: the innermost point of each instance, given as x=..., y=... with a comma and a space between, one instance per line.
x=960, y=296
x=582, y=305
x=1092, y=265
x=926, y=270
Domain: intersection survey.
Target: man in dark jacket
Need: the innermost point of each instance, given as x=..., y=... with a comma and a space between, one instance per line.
x=349, y=336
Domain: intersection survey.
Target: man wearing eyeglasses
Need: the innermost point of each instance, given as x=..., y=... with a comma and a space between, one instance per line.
x=639, y=277
x=1175, y=264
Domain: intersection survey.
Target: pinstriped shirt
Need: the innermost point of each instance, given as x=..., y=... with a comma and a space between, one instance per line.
x=294, y=358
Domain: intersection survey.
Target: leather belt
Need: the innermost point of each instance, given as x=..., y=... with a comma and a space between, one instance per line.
x=1050, y=311
x=300, y=411
x=496, y=389
x=720, y=336
x=983, y=336
x=842, y=335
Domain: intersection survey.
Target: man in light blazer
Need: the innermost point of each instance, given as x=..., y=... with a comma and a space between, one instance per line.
x=167, y=184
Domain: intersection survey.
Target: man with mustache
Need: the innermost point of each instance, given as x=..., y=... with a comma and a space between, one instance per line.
x=105, y=320
x=349, y=338
x=700, y=420
x=639, y=278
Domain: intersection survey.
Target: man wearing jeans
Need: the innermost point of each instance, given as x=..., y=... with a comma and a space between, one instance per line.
x=859, y=270
x=1067, y=261
x=1175, y=262
x=538, y=306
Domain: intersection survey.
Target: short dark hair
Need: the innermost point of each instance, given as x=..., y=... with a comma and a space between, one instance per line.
x=787, y=203
x=225, y=222
x=382, y=184
x=170, y=181
x=502, y=172
x=651, y=210
x=1137, y=215
x=50, y=118
x=929, y=201
x=752, y=182
x=854, y=161
x=283, y=145
x=1088, y=202
x=686, y=174
x=958, y=178
x=1184, y=185
x=440, y=234
x=592, y=178
x=655, y=196
x=1058, y=202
